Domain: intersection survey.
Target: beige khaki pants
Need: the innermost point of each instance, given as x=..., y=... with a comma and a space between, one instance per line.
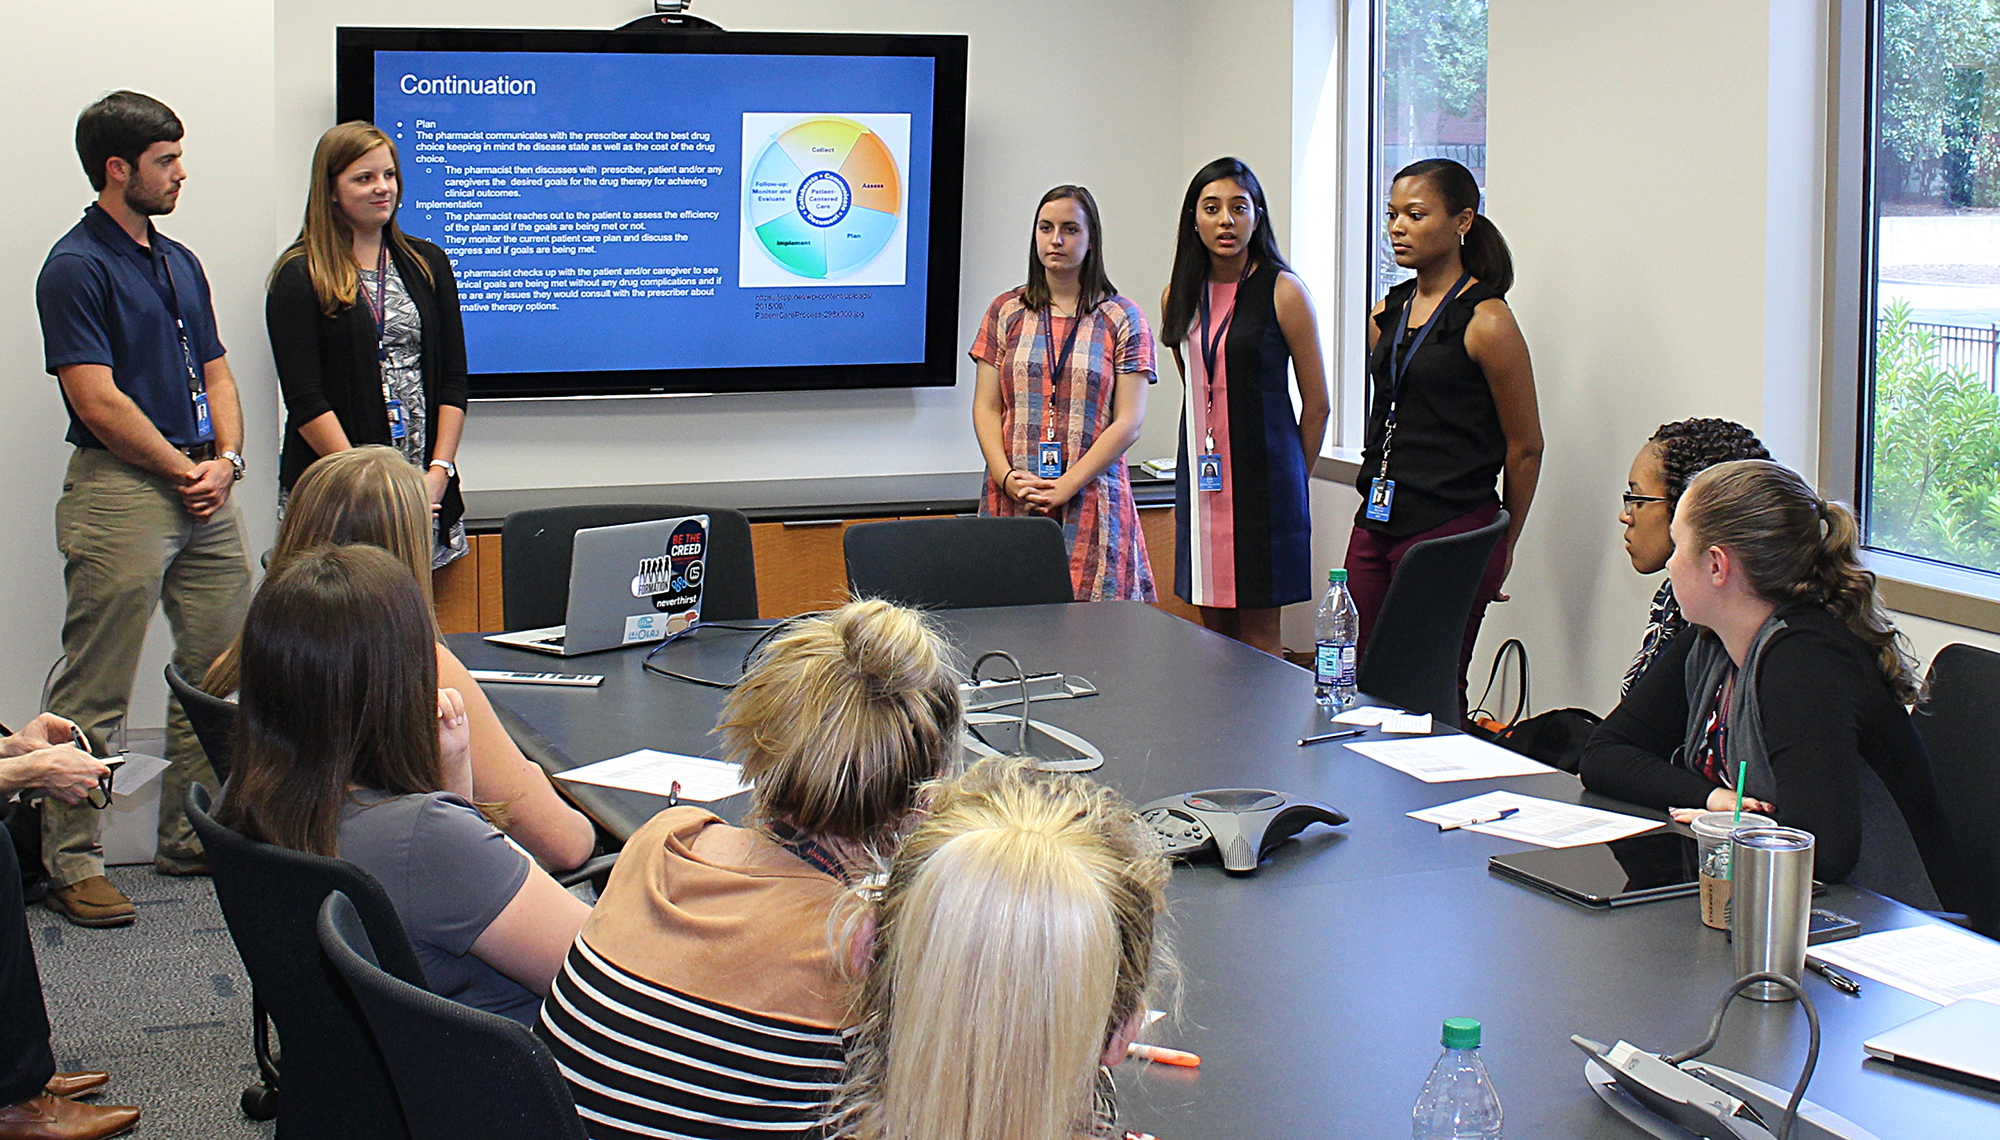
x=128, y=545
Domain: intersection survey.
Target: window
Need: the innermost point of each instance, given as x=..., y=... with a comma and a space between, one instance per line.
x=1930, y=479
x=1378, y=84
x=1429, y=102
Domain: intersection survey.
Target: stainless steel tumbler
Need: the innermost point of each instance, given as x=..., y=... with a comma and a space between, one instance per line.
x=1770, y=904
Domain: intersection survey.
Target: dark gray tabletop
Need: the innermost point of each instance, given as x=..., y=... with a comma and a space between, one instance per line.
x=1315, y=989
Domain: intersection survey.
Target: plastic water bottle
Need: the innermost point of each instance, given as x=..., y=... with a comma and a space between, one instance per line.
x=1334, y=634
x=1458, y=1101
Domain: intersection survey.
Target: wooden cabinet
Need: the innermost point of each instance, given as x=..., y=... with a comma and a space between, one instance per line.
x=800, y=568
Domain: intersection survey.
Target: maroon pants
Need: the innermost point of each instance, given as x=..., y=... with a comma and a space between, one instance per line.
x=1372, y=559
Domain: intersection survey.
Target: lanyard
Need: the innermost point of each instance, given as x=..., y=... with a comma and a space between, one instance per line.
x=808, y=850
x=1211, y=348
x=197, y=383
x=1061, y=367
x=1399, y=358
x=378, y=304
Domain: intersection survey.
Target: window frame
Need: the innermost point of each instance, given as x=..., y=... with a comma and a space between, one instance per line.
x=1960, y=595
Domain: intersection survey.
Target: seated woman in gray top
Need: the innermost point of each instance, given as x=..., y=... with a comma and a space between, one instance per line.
x=347, y=747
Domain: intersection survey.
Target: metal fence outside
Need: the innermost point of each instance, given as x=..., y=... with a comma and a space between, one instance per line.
x=1963, y=347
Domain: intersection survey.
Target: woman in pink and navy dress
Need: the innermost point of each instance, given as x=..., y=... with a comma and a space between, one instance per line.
x=1064, y=362
x=1235, y=314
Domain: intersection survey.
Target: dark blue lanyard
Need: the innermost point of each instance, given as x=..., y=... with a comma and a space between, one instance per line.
x=378, y=304
x=1399, y=359
x=808, y=851
x=1061, y=367
x=197, y=383
x=1211, y=348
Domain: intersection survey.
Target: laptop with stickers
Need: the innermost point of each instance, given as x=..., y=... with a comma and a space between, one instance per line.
x=628, y=584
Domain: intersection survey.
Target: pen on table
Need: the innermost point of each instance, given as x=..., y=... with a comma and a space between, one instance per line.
x=1496, y=817
x=674, y=795
x=1140, y=1136
x=1332, y=736
x=1162, y=1056
x=1834, y=977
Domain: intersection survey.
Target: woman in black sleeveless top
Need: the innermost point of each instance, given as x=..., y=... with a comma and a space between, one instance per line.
x=1452, y=401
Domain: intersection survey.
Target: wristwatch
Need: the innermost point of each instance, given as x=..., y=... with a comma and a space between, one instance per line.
x=450, y=468
x=235, y=461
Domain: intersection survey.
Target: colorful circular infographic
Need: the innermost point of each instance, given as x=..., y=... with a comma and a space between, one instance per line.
x=824, y=197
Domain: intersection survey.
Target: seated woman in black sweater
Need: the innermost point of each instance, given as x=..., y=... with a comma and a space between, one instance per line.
x=1790, y=671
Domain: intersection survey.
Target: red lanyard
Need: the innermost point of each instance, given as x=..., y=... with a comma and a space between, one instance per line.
x=1211, y=349
x=1061, y=367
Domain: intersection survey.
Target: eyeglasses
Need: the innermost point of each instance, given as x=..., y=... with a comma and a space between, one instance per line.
x=1632, y=500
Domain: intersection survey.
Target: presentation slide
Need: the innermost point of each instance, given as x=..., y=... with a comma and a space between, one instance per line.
x=610, y=212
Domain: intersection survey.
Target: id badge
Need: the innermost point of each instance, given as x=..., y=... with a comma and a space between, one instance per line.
x=1208, y=472
x=1381, y=494
x=201, y=414
x=398, y=426
x=1050, y=464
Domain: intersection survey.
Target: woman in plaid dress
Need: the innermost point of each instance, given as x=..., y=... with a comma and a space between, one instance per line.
x=1064, y=362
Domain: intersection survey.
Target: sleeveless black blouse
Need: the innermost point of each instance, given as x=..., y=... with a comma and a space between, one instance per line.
x=1449, y=447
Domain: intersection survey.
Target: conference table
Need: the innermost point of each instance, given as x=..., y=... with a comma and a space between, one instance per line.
x=1313, y=990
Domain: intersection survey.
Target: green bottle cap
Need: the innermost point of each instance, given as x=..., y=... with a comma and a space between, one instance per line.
x=1461, y=1033
x=1333, y=576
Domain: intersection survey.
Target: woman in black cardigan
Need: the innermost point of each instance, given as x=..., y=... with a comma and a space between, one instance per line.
x=365, y=327
x=1791, y=674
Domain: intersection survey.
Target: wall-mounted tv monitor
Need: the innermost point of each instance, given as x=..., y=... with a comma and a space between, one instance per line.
x=675, y=212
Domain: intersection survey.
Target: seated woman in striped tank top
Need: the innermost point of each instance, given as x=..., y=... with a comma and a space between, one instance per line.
x=704, y=997
x=1013, y=878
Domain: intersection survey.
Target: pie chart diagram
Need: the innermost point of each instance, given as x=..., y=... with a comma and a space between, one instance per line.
x=825, y=197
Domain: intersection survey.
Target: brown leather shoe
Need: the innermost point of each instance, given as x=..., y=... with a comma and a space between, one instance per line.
x=71, y=1084
x=92, y=902
x=52, y=1118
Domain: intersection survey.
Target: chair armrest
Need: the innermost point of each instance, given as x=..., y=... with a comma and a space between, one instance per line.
x=592, y=869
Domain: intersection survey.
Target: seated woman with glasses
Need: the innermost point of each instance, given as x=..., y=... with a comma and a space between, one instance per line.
x=347, y=747
x=372, y=494
x=1013, y=878
x=705, y=996
x=1790, y=673
x=1660, y=473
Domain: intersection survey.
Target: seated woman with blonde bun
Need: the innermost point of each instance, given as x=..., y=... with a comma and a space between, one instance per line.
x=1012, y=879
x=1790, y=673
x=347, y=746
x=708, y=995
x=373, y=495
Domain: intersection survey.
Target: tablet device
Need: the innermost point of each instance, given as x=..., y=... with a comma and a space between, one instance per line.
x=1642, y=868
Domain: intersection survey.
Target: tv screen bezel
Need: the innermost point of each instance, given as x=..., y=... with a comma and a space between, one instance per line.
x=354, y=70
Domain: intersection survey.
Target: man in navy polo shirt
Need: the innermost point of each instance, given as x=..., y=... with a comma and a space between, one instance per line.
x=145, y=515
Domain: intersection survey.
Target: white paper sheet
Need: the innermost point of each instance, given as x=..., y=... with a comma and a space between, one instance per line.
x=1440, y=759
x=1935, y=962
x=1544, y=823
x=648, y=770
x=1415, y=724
x=1368, y=715
x=136, y=772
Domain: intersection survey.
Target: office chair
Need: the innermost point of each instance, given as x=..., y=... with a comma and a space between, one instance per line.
x=535, y=551
x=332, y=1084
x=1412, y=654
x=959, y=563
x=461, y=1073
x=1889, y=862
x=212, y=718
x=1956, y=722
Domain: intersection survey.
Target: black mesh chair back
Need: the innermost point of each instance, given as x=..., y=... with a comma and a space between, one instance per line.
x=1412, y=654
x=535, y=551
x=1956, y=723
x=333, y=1083
x=959, y=563
x=462, y=1073
x=212, y=718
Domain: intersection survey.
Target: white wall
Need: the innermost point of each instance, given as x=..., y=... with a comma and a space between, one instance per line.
x=211, y=62
x=1057, y=92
